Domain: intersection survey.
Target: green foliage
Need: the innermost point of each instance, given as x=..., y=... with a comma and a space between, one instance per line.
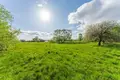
x=36, y=39
x=22, y=40
x=74, y=42
x=116, y=32
x=80, y=37
x=2, y=47
x=46, y=61
x=7, y=34
x=51, y=41
x=5, y=15
x=60, y=36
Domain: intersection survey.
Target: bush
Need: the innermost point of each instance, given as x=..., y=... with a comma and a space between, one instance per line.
x=51, y=41
x=2, y=47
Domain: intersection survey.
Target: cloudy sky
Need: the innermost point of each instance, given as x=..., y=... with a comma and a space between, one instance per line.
x=59, y=14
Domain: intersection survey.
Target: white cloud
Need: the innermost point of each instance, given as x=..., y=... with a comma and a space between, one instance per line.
x=95, y=11
x=40, y=5
x=28, y=35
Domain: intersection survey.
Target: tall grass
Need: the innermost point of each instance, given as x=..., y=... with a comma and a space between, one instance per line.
x=50, y=61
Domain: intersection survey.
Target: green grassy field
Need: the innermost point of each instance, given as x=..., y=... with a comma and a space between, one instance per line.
x=48, y=61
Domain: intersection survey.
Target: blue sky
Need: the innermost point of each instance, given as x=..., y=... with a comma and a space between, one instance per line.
x=64, y=14
x=26, y=13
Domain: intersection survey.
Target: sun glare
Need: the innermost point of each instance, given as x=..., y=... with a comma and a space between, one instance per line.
x=45, y=15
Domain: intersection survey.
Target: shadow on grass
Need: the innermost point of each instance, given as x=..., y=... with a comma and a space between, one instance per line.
x=112, y=45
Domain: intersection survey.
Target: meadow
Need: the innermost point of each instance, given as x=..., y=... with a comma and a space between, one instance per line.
x=51, y=61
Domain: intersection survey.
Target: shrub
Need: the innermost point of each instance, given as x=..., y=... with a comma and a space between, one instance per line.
x=2, y=47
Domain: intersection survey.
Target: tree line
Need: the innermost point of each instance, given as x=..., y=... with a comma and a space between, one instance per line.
x=105, y=31
x=102, y=32
x=35, y=39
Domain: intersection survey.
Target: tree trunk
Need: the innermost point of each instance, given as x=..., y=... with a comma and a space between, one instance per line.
x=103, y=42
x=100, y=39
x=99, y=43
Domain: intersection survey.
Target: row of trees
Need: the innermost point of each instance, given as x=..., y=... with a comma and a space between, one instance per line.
x=64, y=35
x=106, y=31
x=35, y=39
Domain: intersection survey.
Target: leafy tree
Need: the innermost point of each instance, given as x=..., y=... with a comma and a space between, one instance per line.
x=101, y=32
x=116, y=31
x=42, y=40
x=22, y=40
x=7, y=34
x=36, y=39
x=80, y=37
x=5, y=15
x=62, y=35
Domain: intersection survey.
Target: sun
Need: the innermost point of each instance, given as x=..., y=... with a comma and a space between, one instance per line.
x=45, y=15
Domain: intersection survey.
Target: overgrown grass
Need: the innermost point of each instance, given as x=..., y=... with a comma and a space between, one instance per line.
x=48, y=61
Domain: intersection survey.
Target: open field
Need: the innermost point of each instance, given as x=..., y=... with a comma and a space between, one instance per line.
x=48, y=61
